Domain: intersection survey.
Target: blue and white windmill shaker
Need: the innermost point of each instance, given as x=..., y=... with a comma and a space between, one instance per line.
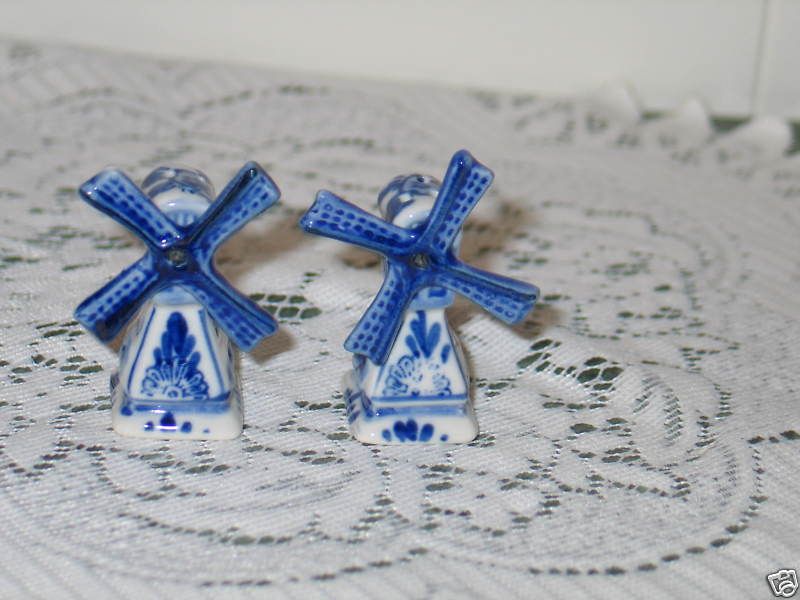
x=177, y=375
x=410, y=381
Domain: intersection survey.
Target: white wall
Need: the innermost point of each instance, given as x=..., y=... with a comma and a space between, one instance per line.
x=739, y=56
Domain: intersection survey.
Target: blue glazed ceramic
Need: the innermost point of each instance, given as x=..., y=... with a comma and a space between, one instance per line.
x=410, y=382
x=176, y=375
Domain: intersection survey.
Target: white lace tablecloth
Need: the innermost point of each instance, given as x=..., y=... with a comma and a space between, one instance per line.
x=639, y=432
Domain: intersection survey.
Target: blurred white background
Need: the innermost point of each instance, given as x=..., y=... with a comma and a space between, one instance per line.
x=740, y=57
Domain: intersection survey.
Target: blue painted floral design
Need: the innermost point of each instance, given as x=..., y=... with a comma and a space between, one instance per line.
x=420, y=373
x=408, y=431
x=168, y=423
x=174, y=374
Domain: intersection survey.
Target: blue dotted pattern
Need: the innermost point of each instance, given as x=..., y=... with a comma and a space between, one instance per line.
x=464, y=185
x=245, y=197
x=507, y=299
x=241, y=318
x=379, y=325
x=107, y=310
x=334, y=217
x=179, y=256
x=420, y=258
x=113, y=193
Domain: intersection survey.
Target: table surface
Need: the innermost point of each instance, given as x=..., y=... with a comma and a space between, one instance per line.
x=639, y=431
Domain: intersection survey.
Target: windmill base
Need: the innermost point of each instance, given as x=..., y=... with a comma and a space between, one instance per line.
x=423, y=422
x=215, y=419
x=420, y=394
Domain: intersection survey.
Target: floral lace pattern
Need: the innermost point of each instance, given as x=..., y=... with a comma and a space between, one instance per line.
x=639, y=431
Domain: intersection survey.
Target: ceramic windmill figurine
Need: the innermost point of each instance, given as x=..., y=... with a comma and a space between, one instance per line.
x=410, y=381
x=177, y=376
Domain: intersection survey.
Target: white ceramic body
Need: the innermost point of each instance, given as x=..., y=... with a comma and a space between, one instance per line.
x=420, y=396
x=195, y=396
x=177, y=377
x=421, y=393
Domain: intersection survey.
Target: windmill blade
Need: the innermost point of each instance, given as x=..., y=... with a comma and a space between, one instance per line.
x=106, y=312
x=241, y=318
x=375, y=333
x=111, y=192
x=336, y=218
x=507, y=299
x=464, y=184
x=248, y=194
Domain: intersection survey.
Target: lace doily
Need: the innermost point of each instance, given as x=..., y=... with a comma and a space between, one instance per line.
x=639, y=432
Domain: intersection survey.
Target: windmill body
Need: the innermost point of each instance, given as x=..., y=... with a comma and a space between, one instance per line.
x=422, y=389
x=410, y=381
x=177, y=376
